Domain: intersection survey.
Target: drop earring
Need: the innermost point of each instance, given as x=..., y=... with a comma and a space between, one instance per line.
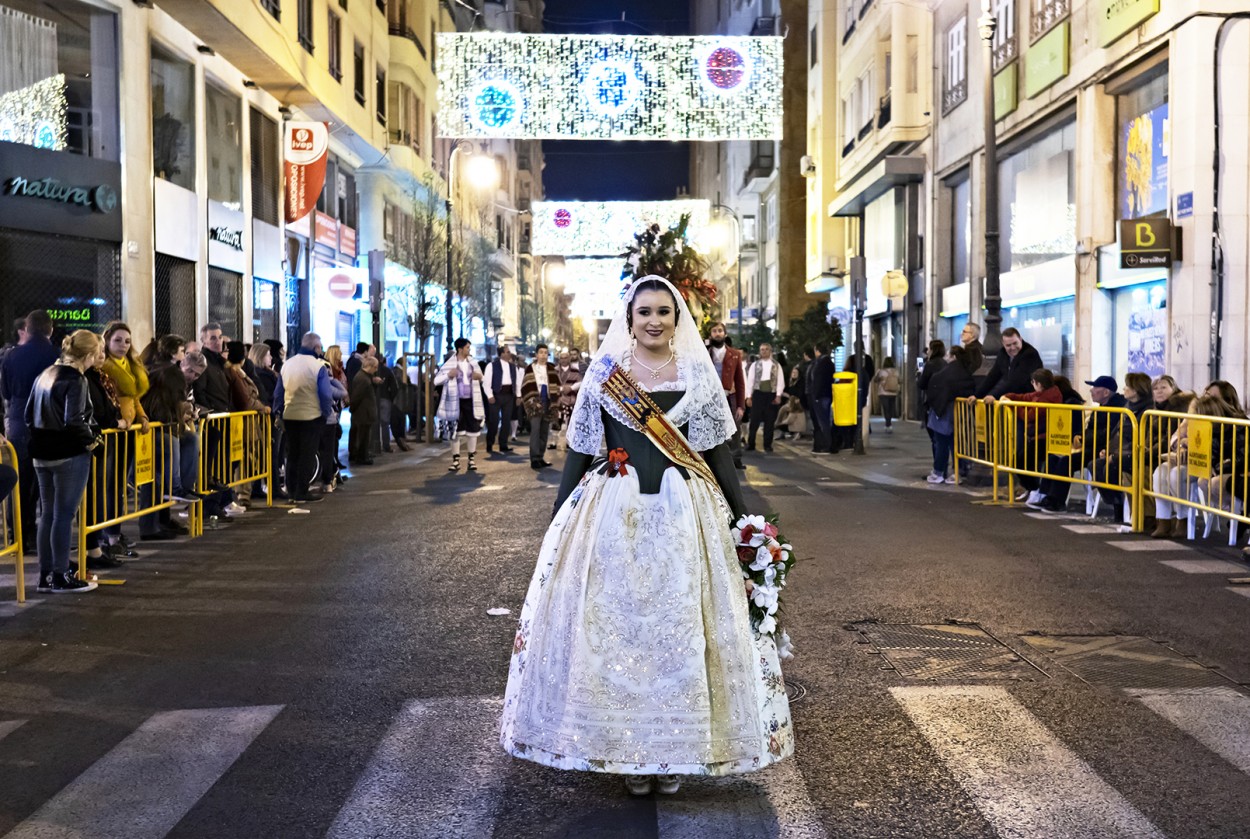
x=672, y=344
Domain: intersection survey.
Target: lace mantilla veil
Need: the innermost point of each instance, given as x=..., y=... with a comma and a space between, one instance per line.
x=703, y=408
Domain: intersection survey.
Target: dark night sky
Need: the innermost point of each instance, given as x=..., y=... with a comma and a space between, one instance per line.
x=628, y=170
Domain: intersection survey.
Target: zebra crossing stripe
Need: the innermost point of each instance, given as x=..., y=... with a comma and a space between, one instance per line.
x=148, y=782
x=772, y=802
x=1217, y=717
x=439, y=766
x=1020, y=776
x=9, y=726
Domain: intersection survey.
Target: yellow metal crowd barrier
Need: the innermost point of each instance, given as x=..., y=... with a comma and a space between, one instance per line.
x=132, y=475
x=974, y=441
x=1193, y=464
x=236, y=451
x=1090, y=445
x=11, y=523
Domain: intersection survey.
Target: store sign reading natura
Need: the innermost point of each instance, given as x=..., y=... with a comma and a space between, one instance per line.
x=100, y=199
x=232, y=239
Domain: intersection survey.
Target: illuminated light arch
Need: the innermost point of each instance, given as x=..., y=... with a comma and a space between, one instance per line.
x=609, y=87
x=607, y=228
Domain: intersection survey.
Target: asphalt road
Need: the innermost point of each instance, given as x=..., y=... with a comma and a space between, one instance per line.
x=337, y=674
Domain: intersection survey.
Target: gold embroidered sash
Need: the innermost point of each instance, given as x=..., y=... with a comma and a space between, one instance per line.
x=653, y=422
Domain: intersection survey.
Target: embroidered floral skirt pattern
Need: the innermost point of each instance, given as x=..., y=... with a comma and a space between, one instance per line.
x=635, y=654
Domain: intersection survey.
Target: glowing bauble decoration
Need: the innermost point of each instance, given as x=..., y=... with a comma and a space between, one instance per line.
x=612, y=87
x=725, y=68
x=563, y=218
x=497, y=105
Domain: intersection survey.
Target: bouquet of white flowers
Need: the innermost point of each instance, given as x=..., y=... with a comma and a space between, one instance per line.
x=766, y=559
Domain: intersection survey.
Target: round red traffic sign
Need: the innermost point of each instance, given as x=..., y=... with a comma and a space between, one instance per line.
x=341, y=285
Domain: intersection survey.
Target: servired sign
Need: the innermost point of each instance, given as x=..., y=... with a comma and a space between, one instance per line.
x=304, y=167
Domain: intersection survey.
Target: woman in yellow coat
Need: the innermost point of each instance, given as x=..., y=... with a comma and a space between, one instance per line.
x=123, y=366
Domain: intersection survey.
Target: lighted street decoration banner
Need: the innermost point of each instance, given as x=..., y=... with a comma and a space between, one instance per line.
x=609, y=87
x=607, y=228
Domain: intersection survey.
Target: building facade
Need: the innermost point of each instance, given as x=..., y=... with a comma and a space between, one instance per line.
x=187, y=223
x=1106, y=125
x=760, y=181
x=1108, y=117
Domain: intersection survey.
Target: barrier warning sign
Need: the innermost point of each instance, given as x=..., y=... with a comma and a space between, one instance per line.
x=144, y=466
x=1200, y=449
x=1059, y=432
x=236, y=439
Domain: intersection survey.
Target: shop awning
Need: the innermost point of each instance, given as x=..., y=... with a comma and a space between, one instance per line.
x=892, y=171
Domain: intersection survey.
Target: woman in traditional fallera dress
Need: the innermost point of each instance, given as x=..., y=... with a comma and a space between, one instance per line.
x=635, y=653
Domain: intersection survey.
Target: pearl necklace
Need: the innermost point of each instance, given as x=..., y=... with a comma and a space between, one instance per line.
x=655, y=371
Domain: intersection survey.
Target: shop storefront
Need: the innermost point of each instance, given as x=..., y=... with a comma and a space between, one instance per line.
x=1134, y=300
x=226, y=266
x=60, y=177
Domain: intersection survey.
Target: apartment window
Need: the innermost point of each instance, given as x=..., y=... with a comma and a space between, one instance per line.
x=334, y=46
x=266, y=167
x=173, y=118
x=848, y=124
x=773, y=219
x=1046, y=14
x=348, y=202
x=224, y=143
x=405, y=116
x=305, y=23
x=343, y=5
x=848, y=19
x=358, y=68
x=382, y=5
x=274, y=7
x=955, y=80
x=864, y=98
x=813, y=42
x=1005, y=49
x=379, y=92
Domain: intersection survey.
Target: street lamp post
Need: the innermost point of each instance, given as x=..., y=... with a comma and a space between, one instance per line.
x=724, y=208
x=556, y=280
x=480, y=176
x=992, y=342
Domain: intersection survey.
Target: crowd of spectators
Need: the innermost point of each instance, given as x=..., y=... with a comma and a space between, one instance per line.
x=1102, y=446
x=58, y=399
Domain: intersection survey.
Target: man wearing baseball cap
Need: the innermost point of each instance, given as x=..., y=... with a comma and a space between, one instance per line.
x=1100, y=437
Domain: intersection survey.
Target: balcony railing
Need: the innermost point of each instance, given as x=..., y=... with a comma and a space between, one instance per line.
x=766, y=26
x=954, y=96
x=883, y=112
x=763, y=162
x=864, y=7
x=846, y=36
x=1046, y=14
x=849, y=147
x=866, y=130
x=405, y=31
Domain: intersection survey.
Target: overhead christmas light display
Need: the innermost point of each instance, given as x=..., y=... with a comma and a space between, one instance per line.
x=609, y=87
x=606, y=228
x=35, y=115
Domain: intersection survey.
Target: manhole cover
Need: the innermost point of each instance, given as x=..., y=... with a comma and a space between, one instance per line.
x=956, y=651
x=794, y=691
x=1125, y=661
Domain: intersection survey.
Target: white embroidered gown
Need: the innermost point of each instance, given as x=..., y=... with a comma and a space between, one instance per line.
x=635, y=653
